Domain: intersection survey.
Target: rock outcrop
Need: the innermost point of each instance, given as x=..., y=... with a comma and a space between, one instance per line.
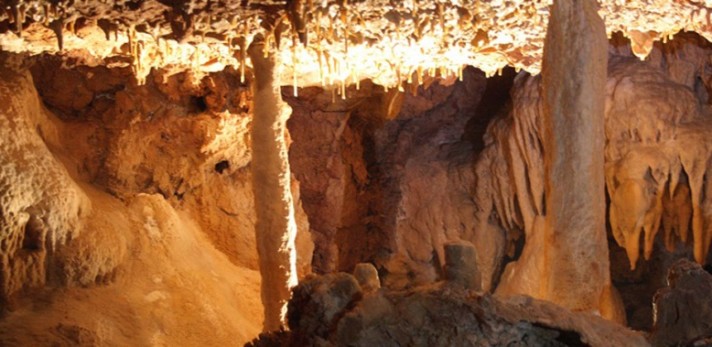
x=653, y=125
x=41, y=207
x=565, y=257
x=386, y=176
x=339, y=314
x=683, y=310
x=81, y=266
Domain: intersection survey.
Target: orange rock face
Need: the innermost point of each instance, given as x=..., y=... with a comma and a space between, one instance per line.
x=169, y=170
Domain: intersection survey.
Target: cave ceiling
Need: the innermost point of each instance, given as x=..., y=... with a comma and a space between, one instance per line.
x=329, y=43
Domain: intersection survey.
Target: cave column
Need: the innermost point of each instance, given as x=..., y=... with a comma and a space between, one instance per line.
x=275, y=226
x=573, y=85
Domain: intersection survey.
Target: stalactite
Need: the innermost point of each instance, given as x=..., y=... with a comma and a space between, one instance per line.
x=57, y=26
x=19, y=17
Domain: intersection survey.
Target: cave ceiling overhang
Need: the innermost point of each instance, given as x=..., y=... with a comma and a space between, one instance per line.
x=330, y=43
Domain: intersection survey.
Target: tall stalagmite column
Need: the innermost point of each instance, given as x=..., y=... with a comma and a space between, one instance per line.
x=275, y=226
x=574, y=81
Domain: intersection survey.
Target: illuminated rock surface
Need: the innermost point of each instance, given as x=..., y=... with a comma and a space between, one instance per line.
x=102, y=270
x=155, y=190
x=316, y=41
x=566, y=257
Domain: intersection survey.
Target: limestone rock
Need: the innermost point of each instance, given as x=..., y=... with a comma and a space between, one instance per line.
x=318, y=302
x=391, y=192
x=436, y=315
x=461, y=265
x=683, y=310
x=195, y=35
x=79, y=265
x=653, y=125
x=565, y=257
x=367, y=277
x=42, y=206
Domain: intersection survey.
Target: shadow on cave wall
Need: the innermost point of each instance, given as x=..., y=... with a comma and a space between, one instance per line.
x=366, y=164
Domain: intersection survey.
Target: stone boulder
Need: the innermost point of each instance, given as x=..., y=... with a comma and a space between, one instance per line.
x=683, y=310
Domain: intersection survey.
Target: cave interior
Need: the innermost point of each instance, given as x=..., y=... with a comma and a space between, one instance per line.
x=355, y=173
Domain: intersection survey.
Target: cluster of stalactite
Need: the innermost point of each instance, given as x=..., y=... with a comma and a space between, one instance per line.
x=658, y=155
x=332, y=43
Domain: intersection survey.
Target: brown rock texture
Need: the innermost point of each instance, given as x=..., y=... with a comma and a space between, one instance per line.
x=367, y=277
x=152, y=166
x=573, y=96
x=180, y=136
x=41, y=207
x=461, y=265
x=96, y=269
x=567, y=254
x=653, y=125
x=275, y=227
x=386, y=176
x=434, y=315
x=683, y=310
x=318, y=303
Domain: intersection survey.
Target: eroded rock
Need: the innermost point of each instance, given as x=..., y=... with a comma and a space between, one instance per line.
x=461, y=265
x=683, y=310
x=367, y=277
x=317, y=304
x=435, y=315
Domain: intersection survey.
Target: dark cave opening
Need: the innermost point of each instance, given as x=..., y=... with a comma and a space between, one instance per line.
x=33, y=236
x=494, y=101
x=221, y=166
x=198, y=104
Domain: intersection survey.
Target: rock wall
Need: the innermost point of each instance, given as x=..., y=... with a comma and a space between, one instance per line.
x=133, y=199
x=333, y=310
x=687, y=291
x=386, y=175
x=656, y=139
x=40, y=205
x=179, y=136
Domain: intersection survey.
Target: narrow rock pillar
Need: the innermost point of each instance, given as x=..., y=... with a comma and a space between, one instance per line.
x=574, y=81
x=275, y=227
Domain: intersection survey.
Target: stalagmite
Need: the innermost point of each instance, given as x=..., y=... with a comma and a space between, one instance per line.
x=275, y=227
x=565, y=258
x=574, y=84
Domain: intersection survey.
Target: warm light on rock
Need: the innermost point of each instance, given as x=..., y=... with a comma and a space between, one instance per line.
x=355, y=172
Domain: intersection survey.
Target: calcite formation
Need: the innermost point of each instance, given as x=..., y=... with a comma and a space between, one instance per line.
x=315, y=42
x=183, y=164
x=276, y=227
x=104, y=264
x=654, y=115
x=41, y=206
